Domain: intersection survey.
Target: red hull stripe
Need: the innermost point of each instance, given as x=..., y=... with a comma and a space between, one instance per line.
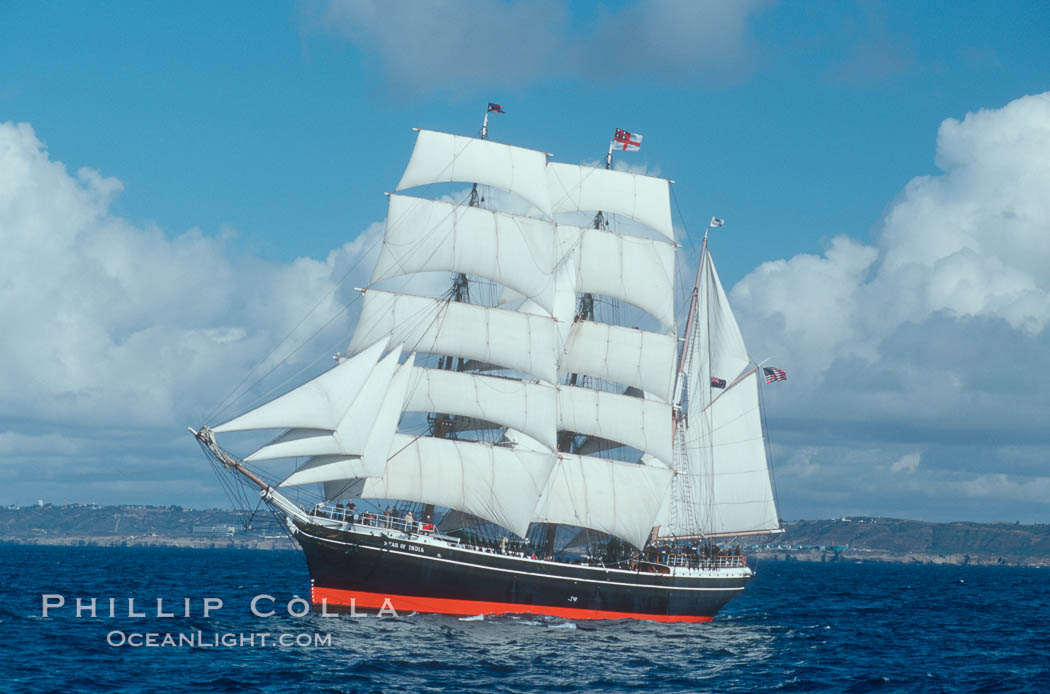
x=409, y=603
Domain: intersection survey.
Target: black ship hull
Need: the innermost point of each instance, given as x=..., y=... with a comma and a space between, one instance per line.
x=361, y=570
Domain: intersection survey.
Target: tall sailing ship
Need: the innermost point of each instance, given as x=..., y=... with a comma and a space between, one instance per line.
x=537, y=439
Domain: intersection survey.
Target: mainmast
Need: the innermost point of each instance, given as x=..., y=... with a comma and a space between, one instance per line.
x=569, y=441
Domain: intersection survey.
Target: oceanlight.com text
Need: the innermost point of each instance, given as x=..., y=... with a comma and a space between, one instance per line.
x=198, y=639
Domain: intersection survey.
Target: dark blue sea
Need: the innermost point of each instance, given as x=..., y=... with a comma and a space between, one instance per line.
x=797, y=628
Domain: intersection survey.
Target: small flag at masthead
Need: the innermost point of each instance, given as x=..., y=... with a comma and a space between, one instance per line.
x=626, y=141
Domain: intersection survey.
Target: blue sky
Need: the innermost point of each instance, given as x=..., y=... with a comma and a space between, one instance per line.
x=263, y=118
x=274, y=129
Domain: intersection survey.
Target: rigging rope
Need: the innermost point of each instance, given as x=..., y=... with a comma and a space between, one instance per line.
x=226, y=401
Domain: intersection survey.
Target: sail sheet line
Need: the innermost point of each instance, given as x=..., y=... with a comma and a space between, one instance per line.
x=229, y=400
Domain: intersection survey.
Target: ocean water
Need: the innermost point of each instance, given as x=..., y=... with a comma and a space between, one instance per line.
x=797, y=628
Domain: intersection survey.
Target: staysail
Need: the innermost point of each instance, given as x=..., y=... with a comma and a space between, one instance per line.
x=722, y=483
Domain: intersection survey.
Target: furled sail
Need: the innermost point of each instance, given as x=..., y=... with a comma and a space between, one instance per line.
x=575, y=188
x=621, y=499
x=440, y=157
x=427, y=235
x=511, y=339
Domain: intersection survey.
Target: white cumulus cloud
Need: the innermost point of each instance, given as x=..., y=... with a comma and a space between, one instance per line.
x=445, y=45
x=933, y=332
x=113, y=328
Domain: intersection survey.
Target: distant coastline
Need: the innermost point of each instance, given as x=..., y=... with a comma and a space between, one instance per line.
x=92, y=525
x=283, y=543
x=851, y=539
x=863, y=539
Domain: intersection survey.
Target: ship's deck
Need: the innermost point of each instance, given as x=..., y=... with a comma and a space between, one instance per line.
x=395, y=528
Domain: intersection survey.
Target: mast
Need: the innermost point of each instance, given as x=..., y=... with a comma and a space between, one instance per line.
x=474, y=199
x=567, y=440
x=688, y=327
x=443, y=425
x=722, y=485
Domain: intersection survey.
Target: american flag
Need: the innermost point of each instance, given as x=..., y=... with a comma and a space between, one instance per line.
x=774, y=374
x=495, y=108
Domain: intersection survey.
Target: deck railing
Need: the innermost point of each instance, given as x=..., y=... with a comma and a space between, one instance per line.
x=377, y=520
x=692, y=561
x=338, y=514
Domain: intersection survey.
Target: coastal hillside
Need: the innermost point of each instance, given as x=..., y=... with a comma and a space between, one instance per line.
x=842, y=539
x=91, y=524
x=894, y=539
